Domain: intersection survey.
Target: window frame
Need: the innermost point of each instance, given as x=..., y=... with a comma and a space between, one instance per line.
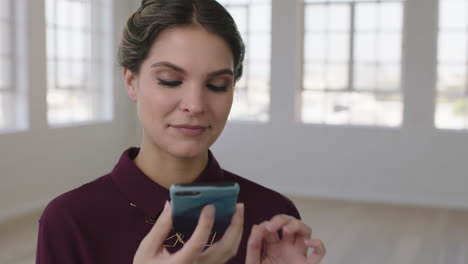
x=442, y=63
x=97, y=84
x=243, y=86
x=351, y=63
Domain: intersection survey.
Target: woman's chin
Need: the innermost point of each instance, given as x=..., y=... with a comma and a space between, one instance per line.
x=188, y=152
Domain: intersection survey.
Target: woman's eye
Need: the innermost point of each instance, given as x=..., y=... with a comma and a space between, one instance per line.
x=217, y=88
x=169, y=83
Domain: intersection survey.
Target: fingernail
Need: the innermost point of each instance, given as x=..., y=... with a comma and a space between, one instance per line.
x=241, y=209
x=251, y=241
x=271, y=227
x=166, y=206
x=210, y=211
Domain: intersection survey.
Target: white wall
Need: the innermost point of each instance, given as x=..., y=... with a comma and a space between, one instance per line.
x=414, y=164
x=42, y=162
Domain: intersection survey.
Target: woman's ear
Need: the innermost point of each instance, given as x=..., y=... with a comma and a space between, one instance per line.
x=130, y=84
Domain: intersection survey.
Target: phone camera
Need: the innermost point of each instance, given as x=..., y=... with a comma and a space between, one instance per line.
x=187, y=193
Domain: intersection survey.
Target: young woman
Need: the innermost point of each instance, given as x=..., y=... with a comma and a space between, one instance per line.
x=181, y=60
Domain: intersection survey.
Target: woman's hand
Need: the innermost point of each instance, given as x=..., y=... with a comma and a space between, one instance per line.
x=265, y=246
x=151, y=248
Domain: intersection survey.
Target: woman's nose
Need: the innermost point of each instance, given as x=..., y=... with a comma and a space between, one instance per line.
x=193, y=100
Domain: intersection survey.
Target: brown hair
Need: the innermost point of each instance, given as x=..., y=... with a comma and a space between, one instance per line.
x=154, y=16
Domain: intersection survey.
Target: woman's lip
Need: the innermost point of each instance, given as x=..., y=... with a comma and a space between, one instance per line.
x=190, y=130
x=189, y=126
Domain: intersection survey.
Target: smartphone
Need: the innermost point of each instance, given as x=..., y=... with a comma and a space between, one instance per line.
x=188, y=201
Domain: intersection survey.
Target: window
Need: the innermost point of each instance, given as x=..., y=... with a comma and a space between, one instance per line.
x=7, y=91
x=252, y=94
x=452, y=86
x=352, y=57
x=79, y=61
x=12, y=53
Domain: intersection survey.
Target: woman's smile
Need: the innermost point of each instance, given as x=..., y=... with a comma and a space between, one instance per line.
x=190, y=130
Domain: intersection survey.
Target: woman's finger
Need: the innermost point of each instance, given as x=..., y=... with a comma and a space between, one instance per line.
x=278, y=221
x=254, y=246
x=298, y=228
x=228, y=246
x=197, y=242
x=154, y=240
x=258, y=236
x=267, y=235
x=319, y=250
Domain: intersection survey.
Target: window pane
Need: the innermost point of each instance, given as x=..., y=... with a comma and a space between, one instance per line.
x=389, y=47
x=239, y=13
x=5, y=33
x=315, y=78
x=363, y=108
x=236, y=2
x=338, y=47
x=337, y=76
x=338, y=17
x=391, y=17
x=260, y=15
x=5, y=74
x=81, y=46
x=10, y=118
x=452, y=113
x=62, y=12
x=371, y=95
x=314, y=106
x=78, y=19
x=258, y=75
x=453, y=14
x=71, y=75
x=315, y=47
x=366, y=16
x=252, y=93
x=78, y=88
x=365, y=49
x=315, y=17
x=259, y=48
x=7, y=106
x=373, y=109
x=365, y=76
x=452, y=47
x=452, y=90
x=388, y=110
x=452, y=79
x=69, y=105
x=337, y=108
x=62, y=41
x=388, y=78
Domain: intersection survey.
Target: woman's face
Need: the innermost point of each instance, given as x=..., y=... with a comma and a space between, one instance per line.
x=184, y=90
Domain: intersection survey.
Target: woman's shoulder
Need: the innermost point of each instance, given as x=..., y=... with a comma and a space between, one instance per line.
x=77, y=201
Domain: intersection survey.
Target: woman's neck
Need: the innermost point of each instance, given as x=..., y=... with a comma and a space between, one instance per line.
x=165, y=169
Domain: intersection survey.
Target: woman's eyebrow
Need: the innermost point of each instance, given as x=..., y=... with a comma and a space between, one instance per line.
x=179, y=69
x=168, y=64
x=220, y=72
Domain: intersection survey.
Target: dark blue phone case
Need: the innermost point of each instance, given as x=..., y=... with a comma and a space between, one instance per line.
x=189, y=199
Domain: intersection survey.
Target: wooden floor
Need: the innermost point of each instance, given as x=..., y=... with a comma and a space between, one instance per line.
x=354, y=233
x=360, y=233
